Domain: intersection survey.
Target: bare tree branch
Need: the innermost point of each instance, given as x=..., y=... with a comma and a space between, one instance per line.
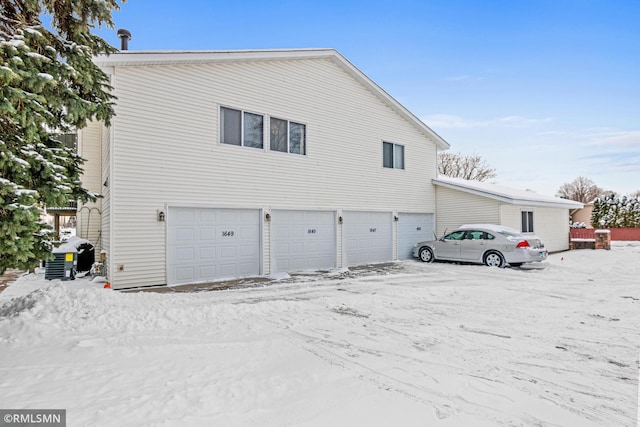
x=473, y=167
x=581, y=190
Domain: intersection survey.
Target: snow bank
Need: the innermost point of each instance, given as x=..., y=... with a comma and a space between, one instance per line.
x=409, y=344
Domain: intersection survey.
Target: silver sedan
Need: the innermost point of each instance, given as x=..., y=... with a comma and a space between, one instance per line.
x=489, y=244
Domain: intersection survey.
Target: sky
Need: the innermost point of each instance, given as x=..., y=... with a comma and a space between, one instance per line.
x=545, y=91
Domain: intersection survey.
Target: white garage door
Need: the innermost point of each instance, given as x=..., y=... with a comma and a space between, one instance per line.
x=302, y=240
x=412, y=228
x=367, y=237
x=206, y=244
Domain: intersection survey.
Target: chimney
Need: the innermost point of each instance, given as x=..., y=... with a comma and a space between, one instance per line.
x=124, y=36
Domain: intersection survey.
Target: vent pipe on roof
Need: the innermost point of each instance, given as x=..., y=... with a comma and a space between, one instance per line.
x=124, y=36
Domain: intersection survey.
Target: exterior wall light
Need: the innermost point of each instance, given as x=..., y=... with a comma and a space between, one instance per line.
x=161, y=216
x=267, y=217
x=340, y=220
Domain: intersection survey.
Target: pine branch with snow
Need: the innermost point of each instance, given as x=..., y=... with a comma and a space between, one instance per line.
x=48, y=86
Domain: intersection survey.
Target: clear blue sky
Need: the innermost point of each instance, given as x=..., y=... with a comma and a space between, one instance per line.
x=544, y=90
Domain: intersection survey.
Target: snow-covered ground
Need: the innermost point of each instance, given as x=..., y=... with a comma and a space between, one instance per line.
x=411, y=344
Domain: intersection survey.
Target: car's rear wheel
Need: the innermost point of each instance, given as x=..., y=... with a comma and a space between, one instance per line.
x=426, y=255
x=494, y=259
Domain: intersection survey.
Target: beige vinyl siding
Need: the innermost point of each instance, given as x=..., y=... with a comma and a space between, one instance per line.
x=550, y=224
x=167, y=150
x=88, y=217
x=455, y=208
x=106, y=196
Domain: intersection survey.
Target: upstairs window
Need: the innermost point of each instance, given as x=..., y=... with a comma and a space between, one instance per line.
x=527, y=221
x=241, y=128
x=287, y=136
x=392, y=155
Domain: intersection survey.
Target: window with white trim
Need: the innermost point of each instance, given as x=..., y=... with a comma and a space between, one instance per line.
x=392, y=155
x=287, y=136
x=241, y=128
x=527, y=221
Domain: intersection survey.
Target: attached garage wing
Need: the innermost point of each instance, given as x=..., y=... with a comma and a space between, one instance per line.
x=206, y=244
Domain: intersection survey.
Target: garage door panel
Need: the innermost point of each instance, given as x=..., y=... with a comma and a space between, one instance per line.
x=303, y=240
x=185, y=217
x=207, y=234
x=205, y=244
x=367, y=237
x=184, y=254
x=413, y=228
x=206, y=254
x=185, y=273
x=207, y=271
x=184, y=234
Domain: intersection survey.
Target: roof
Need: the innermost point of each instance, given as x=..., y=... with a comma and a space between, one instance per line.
x=505, y=194
x=131, y=58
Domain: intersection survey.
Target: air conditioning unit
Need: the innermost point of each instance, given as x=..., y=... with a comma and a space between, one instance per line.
x=63, y=266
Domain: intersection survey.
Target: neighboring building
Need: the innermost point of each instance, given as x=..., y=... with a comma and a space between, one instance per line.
x=462, y=202
x=583, y=215
x=239, y=163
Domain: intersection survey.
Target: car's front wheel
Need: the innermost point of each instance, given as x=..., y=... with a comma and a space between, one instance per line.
x=426, y=255
x=494, y=259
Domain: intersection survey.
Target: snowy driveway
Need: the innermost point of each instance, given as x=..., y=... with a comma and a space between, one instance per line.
x=415, y=345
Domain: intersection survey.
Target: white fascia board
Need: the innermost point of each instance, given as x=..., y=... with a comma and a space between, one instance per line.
x=131, y=58
x=510, y=199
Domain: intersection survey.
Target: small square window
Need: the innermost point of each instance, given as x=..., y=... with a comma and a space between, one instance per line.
x=287, y=136
x=241, y=128
x=392, y=155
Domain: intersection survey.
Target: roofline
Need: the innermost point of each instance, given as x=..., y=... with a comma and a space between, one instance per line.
x=132, y=58
x=568, y=204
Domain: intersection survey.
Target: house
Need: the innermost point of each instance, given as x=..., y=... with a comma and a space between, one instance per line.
x=225, y=164
x=583, y=215
x=460, y=201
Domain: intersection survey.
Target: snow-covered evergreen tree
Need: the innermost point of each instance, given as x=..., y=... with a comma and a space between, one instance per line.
x=48, y=86
x=614, y=212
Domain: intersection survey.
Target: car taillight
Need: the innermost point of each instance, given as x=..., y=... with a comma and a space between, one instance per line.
x=523, y=244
